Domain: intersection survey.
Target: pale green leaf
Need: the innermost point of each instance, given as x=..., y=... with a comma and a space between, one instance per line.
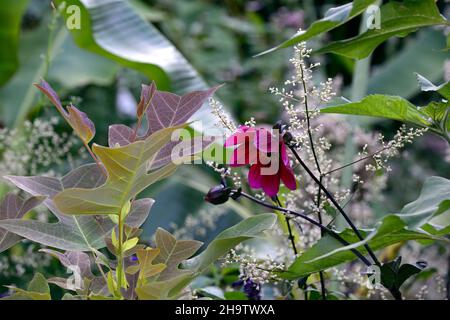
x=383, y=106
x=246, y=229
x=127, y=176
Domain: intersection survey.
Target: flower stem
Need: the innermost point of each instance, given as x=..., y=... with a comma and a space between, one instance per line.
x=288, y=223
x=310, y=220
x=335, y=203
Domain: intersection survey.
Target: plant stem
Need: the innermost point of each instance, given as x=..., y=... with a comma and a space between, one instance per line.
x=335, y=203
x=95, y=158
x=310, y=220
x=119, y=269
x=138, y=125
x=291, y=236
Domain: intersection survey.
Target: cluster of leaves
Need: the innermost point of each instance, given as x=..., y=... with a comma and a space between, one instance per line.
x=96, y=207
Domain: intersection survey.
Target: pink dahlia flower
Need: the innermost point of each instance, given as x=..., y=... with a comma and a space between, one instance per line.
x=258, y=147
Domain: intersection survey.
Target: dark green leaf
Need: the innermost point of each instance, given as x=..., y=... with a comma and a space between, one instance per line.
x=397, y=19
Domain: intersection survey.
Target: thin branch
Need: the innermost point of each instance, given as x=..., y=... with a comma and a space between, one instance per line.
x=310, y=220
x=335, y=203
x=291, y=236
x=356, y=161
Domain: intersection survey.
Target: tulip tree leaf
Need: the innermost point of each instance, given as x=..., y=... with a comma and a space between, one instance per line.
x=38, y=289
x=170, y=283
x=72, y=233
x=14, y=207
x=397, y=19
x=146, y=267
x=168, y=109
x=434, y=200
x=78, y=120
x=333, y=18
x=172, y=253
x=73, y=258
x=163, y=110
x=147, y=93
x=127, y=176
x=391, y=230
x=383, y=106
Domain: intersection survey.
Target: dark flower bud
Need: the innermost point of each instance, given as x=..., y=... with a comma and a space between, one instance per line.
x=422, y=264
x=288, y=138
x=218, y=194
x=280, y=125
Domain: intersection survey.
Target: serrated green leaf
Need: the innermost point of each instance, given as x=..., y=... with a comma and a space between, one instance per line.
x=397, y=19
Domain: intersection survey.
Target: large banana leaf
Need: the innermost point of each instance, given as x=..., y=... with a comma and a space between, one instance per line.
x=113, y=29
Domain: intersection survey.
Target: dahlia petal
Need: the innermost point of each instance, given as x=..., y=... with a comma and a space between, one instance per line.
x=254, y=177
x=265, y=141
x=288, y=178
x=271, y=184
x=284, y=155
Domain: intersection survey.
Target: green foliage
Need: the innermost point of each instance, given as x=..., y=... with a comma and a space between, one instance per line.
x=114, y=30
x=328, y=252
x=333, y=18
x=10, y=16
x=434, y=200
x=434, y=116
x=397, y=19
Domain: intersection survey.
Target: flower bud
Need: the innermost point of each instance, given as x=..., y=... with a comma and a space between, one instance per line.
x=218, y=194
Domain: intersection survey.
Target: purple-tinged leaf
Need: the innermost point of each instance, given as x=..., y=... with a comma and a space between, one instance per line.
x=164, y=156
x=168, y=109
x=72, y=233
x=82, y=125
x=71, y=259
x=119, y=134
x=147, y=94
x=77, y=119
x=51, y=95
x=14, y=207
x=140, y=209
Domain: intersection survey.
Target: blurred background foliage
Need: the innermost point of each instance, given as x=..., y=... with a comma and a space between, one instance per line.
x=218, y=40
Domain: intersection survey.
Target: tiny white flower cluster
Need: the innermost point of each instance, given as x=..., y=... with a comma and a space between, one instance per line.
x=226, y=172
x=36, y=148
x=261, y=271
x=16, y=265
x=224, y=119
x=200, y=224
x=391, y=149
